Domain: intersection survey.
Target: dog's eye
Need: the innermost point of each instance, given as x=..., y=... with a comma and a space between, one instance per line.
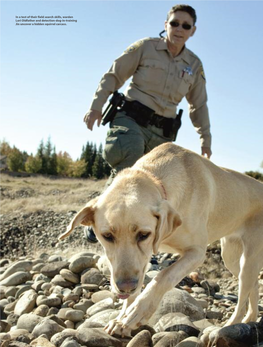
x=142, y=236
x=108, y=237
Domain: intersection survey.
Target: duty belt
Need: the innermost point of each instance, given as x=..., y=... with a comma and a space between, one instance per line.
x=143, y=115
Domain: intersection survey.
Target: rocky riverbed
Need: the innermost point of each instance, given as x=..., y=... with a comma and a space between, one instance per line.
x=58, y=294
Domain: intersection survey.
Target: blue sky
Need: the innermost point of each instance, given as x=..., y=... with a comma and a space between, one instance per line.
x=50, y=73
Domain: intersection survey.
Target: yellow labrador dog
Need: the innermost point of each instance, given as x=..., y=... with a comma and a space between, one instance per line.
x=173, y=200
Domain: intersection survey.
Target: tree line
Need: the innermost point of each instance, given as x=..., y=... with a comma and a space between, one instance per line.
x=48, y=162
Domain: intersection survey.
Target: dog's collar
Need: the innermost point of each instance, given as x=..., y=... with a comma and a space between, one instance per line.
x=157, y=180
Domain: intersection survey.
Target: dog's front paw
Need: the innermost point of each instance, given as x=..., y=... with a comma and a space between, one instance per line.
x=138, y=313
x=116, y=326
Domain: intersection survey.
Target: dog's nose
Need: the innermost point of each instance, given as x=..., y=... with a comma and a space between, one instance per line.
x=127, y=286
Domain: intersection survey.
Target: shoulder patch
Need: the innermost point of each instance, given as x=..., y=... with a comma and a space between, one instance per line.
x=202, y=73
x=136, y=45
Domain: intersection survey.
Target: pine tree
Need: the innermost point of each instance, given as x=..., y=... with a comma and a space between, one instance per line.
x=53, y=163
x=88, y=155
x=85, y=155
x=48, y=156
x=41, y=155
x=98, y=165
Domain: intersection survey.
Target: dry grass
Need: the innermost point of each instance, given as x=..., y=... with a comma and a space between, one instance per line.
x=30, y=194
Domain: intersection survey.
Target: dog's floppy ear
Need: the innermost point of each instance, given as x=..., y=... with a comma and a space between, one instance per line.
x=84, y=217
x=168, y=221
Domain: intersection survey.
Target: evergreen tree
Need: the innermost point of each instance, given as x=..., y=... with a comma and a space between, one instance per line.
x=88, y=155
x=98, y=165
x=85, y=155
x=41, y=155
x=48, y=156
x=52, y=163
x=95, y=164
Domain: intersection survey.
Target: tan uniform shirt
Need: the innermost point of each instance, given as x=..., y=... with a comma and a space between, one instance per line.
x=160, y=82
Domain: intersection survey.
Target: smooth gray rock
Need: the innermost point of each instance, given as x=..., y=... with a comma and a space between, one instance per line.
x=191, y=341
x=100, y=306
x=100, y=319
x=92, y=276
x=69, y=276
x=168, y=339
x=97, y=338
x=70, y=342
x=237, y=335
x=177, y=300
x=54, y=259
x=26, y=303
x=41, y=310
x=21, y=289
x=48, y=327
x=16, y=279
x=83, y=305
x=82, y=263
x=10, y=291
x=37, y=285
x=142, y=339
x=12, y=319
x=51, y=301
x=23, y=265
x=58, y=280
x=74, y=315
x=102, y=295
x=28, y=321
x=176, y=322
x=53, y=269
x=59, y=338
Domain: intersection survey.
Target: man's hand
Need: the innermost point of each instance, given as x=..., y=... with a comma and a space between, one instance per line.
x=91, y=117
x=206, y=151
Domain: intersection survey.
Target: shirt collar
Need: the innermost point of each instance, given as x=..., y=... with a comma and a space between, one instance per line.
x=162, y=45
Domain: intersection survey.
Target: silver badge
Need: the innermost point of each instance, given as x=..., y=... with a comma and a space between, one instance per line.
x=188, y=70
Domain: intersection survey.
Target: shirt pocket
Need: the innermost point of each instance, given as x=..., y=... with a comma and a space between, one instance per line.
x=182, y=84
x=153, y=71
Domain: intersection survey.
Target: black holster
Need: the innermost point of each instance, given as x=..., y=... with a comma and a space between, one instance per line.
x=145, y=116
x=113, y=107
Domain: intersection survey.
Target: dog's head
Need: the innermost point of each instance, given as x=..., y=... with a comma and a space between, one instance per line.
x=130, y=226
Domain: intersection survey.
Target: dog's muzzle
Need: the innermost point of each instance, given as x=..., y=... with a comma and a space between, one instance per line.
x=126, y=287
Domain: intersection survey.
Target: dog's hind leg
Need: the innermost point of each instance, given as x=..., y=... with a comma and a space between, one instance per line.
x=231, y=251
x=252, y=312
x=256, y=229
x=251, y=262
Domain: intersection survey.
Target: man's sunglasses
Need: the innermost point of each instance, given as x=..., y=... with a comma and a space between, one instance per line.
x=185, y=26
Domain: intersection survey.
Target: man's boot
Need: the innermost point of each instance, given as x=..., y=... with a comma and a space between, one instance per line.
x=90, y=235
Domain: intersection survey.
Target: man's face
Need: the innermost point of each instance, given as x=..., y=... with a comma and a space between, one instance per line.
x=177, y=35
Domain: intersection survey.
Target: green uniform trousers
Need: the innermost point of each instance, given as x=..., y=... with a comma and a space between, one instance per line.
x=127, y=141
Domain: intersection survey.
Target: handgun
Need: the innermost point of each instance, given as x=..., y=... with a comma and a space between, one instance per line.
x=114, y=105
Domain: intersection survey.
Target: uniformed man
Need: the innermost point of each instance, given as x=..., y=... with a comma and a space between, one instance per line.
x=163, y=72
